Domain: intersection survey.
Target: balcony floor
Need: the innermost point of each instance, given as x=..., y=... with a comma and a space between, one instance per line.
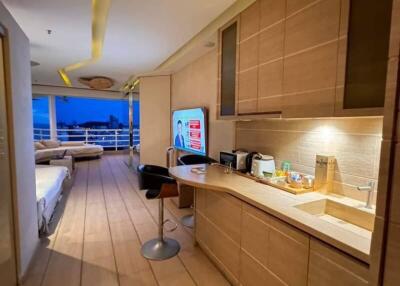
x=99, y=228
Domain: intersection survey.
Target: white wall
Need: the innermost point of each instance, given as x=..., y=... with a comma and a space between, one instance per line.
x=26, y=214
x=155, y=116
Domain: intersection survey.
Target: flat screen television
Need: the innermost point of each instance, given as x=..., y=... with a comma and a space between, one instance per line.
x=189, y=130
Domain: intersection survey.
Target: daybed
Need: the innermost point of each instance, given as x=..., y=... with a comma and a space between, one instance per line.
x=49, y=185
x=46, y=150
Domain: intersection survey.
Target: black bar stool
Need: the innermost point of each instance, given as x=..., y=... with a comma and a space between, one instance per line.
x=159, y=185
x=192, y=159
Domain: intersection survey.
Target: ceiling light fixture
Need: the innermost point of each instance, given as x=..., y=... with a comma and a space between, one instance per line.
x=100, y=9
x=130, y=85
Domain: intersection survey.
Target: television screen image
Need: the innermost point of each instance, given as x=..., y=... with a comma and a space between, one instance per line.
x=189, y=130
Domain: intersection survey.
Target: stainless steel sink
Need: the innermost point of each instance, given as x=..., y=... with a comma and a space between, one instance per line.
x=339, y=214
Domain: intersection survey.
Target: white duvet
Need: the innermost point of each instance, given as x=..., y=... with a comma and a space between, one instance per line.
x=49, y=181
x=84, y=150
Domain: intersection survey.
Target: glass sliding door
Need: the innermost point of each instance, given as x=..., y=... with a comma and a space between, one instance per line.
x=7, y=253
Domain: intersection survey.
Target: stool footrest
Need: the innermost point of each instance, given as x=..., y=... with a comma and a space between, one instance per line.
x=172, y=228
x=188, y=221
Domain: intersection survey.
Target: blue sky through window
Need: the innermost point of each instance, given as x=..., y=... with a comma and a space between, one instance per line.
x=80, y=111
x=40, y=109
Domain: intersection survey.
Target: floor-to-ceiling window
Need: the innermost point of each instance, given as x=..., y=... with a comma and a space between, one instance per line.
x=92, y=120
x=41, y=120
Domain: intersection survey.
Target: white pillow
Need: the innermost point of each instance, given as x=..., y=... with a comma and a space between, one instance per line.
x=51, y=143
x=39, y=146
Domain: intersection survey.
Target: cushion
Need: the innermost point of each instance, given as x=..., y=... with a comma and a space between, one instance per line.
x=39, y=146
x=51, y=143
x=73, y=143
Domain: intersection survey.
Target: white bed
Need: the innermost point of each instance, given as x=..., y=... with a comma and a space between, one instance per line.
x=49, y=182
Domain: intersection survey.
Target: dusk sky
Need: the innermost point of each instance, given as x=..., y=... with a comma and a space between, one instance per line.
x=82, y=110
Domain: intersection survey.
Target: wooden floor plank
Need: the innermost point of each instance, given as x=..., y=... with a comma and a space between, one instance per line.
x=133, y=269
x=167, y=272
x=66, y=258
x=199, y=267
x=99, y=267
x=105, y=221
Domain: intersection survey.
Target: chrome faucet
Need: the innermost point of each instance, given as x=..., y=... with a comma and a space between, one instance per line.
x=370, y=189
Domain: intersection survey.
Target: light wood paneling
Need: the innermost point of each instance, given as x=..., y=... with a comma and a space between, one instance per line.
x=294, y=6
x=218, y=229
x=248, y=54
x=250, y=21
x=188, y=90
x=253, y=273
x=269, y=104
x=271, y=11
x=155, y=114
x=270, y=79
x=219, y=247
x=248, y=60
x=329, y=267
x=288, y=249
x=311, y=70
x=313, y=26
x=247, y=106
x=225, y=212
x=201, y=201
x=317, y=103
x=202, y=233
x=248, y=87
x=271, y=42
x=255, y=234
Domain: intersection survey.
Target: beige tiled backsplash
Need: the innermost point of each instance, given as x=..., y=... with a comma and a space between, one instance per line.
x=355, y=142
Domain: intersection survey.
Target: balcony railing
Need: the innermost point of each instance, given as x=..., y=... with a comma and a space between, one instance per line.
x=108, y=138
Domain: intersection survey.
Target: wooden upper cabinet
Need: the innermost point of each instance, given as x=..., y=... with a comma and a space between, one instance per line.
x=270, y=56
x=310, y=59
x=250, y=21
x=271, y=12
x=248, y=59
x=228, y=38
x=363, y=57
x=304, y=58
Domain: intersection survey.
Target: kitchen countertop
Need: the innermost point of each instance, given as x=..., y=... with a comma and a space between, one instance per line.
x=280, y=204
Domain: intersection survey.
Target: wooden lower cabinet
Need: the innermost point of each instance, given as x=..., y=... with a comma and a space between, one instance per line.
x=281, y=249
x=253, y=273
x=218, y=217
x=252, y=247
x=330, y=267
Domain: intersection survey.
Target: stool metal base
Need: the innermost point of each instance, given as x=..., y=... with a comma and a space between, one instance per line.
x=188, y=221
x=160, y=249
